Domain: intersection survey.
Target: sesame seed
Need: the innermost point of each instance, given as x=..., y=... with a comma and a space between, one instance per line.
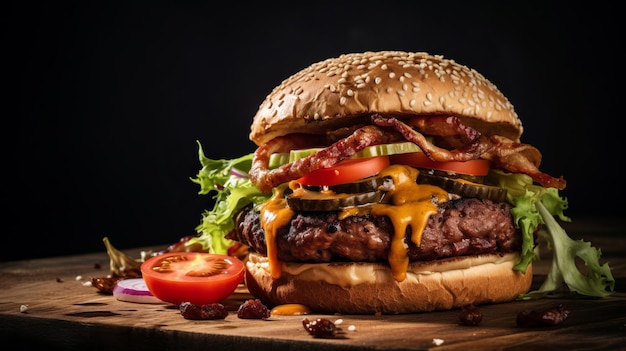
x=392, y=75
x=350, y=92
x=342, y=100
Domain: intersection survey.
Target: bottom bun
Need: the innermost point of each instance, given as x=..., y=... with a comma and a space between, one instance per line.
x=369, y=288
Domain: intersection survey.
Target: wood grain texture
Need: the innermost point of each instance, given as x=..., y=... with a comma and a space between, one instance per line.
x=64, y=314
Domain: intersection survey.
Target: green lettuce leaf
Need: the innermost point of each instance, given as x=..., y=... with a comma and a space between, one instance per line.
x=534, y=206
x=597, y=281
x=232, y=193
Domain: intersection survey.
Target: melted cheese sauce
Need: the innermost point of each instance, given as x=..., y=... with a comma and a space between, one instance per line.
x=274, y=214
x=299, y=192
x=410, y=204
x=290, y=309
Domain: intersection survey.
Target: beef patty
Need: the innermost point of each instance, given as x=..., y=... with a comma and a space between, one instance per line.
x=466, y=226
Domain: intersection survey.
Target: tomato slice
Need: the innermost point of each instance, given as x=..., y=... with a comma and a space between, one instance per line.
x=478, y=167
x=346, y=171
x=195, y=277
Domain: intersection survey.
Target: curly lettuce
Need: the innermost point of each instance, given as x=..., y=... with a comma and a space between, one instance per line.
x=233, y=191
x=535, y=209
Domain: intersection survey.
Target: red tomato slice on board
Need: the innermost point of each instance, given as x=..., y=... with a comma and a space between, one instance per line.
x=478, y=167
x=346, y=171
x=195, y=277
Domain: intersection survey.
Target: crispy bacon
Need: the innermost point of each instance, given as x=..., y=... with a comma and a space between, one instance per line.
x=504, y=153
x=266, y=179
x=472, y=150
x=520, y=158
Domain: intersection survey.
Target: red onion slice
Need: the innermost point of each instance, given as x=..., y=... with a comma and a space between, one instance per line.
x=134, y=290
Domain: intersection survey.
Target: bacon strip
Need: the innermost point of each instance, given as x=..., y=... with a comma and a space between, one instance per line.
x=503, y=153
x=521, y=158
x=475, y=146
x=266, y=179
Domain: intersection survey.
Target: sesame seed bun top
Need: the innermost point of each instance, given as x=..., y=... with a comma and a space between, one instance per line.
x=345, y=90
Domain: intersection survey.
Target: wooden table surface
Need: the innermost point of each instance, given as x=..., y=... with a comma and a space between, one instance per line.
x=62, y=313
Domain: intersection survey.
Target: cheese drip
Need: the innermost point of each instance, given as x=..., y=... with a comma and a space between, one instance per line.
x=274, y=214
x=411, y=204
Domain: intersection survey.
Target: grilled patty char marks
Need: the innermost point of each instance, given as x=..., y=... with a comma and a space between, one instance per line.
x=466, y=226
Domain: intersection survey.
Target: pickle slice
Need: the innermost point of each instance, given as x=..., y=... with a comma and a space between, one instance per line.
x=278, y=159
x=388, y=149
x=370, y=151
x=464, y=188
x=331, y=202
x=364, y=185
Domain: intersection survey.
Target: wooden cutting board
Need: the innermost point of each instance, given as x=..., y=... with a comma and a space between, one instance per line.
x=63, y=313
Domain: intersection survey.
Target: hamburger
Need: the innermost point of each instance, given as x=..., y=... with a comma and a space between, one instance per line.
x=389, y=182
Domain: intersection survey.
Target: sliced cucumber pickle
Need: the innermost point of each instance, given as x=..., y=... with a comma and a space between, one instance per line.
x=452, y=175
x=331, y=202
x=295, y=155
x=464, y=188
x=388, y=149
x=279, y=159
x=360, y=186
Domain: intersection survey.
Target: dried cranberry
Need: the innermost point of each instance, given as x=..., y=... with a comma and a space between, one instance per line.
x=470, y=315
x=320, y=328
x=253, y=309
x=208, y=311
x=546, y=317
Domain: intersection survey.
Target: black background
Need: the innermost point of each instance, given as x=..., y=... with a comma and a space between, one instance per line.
x=105, y=102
